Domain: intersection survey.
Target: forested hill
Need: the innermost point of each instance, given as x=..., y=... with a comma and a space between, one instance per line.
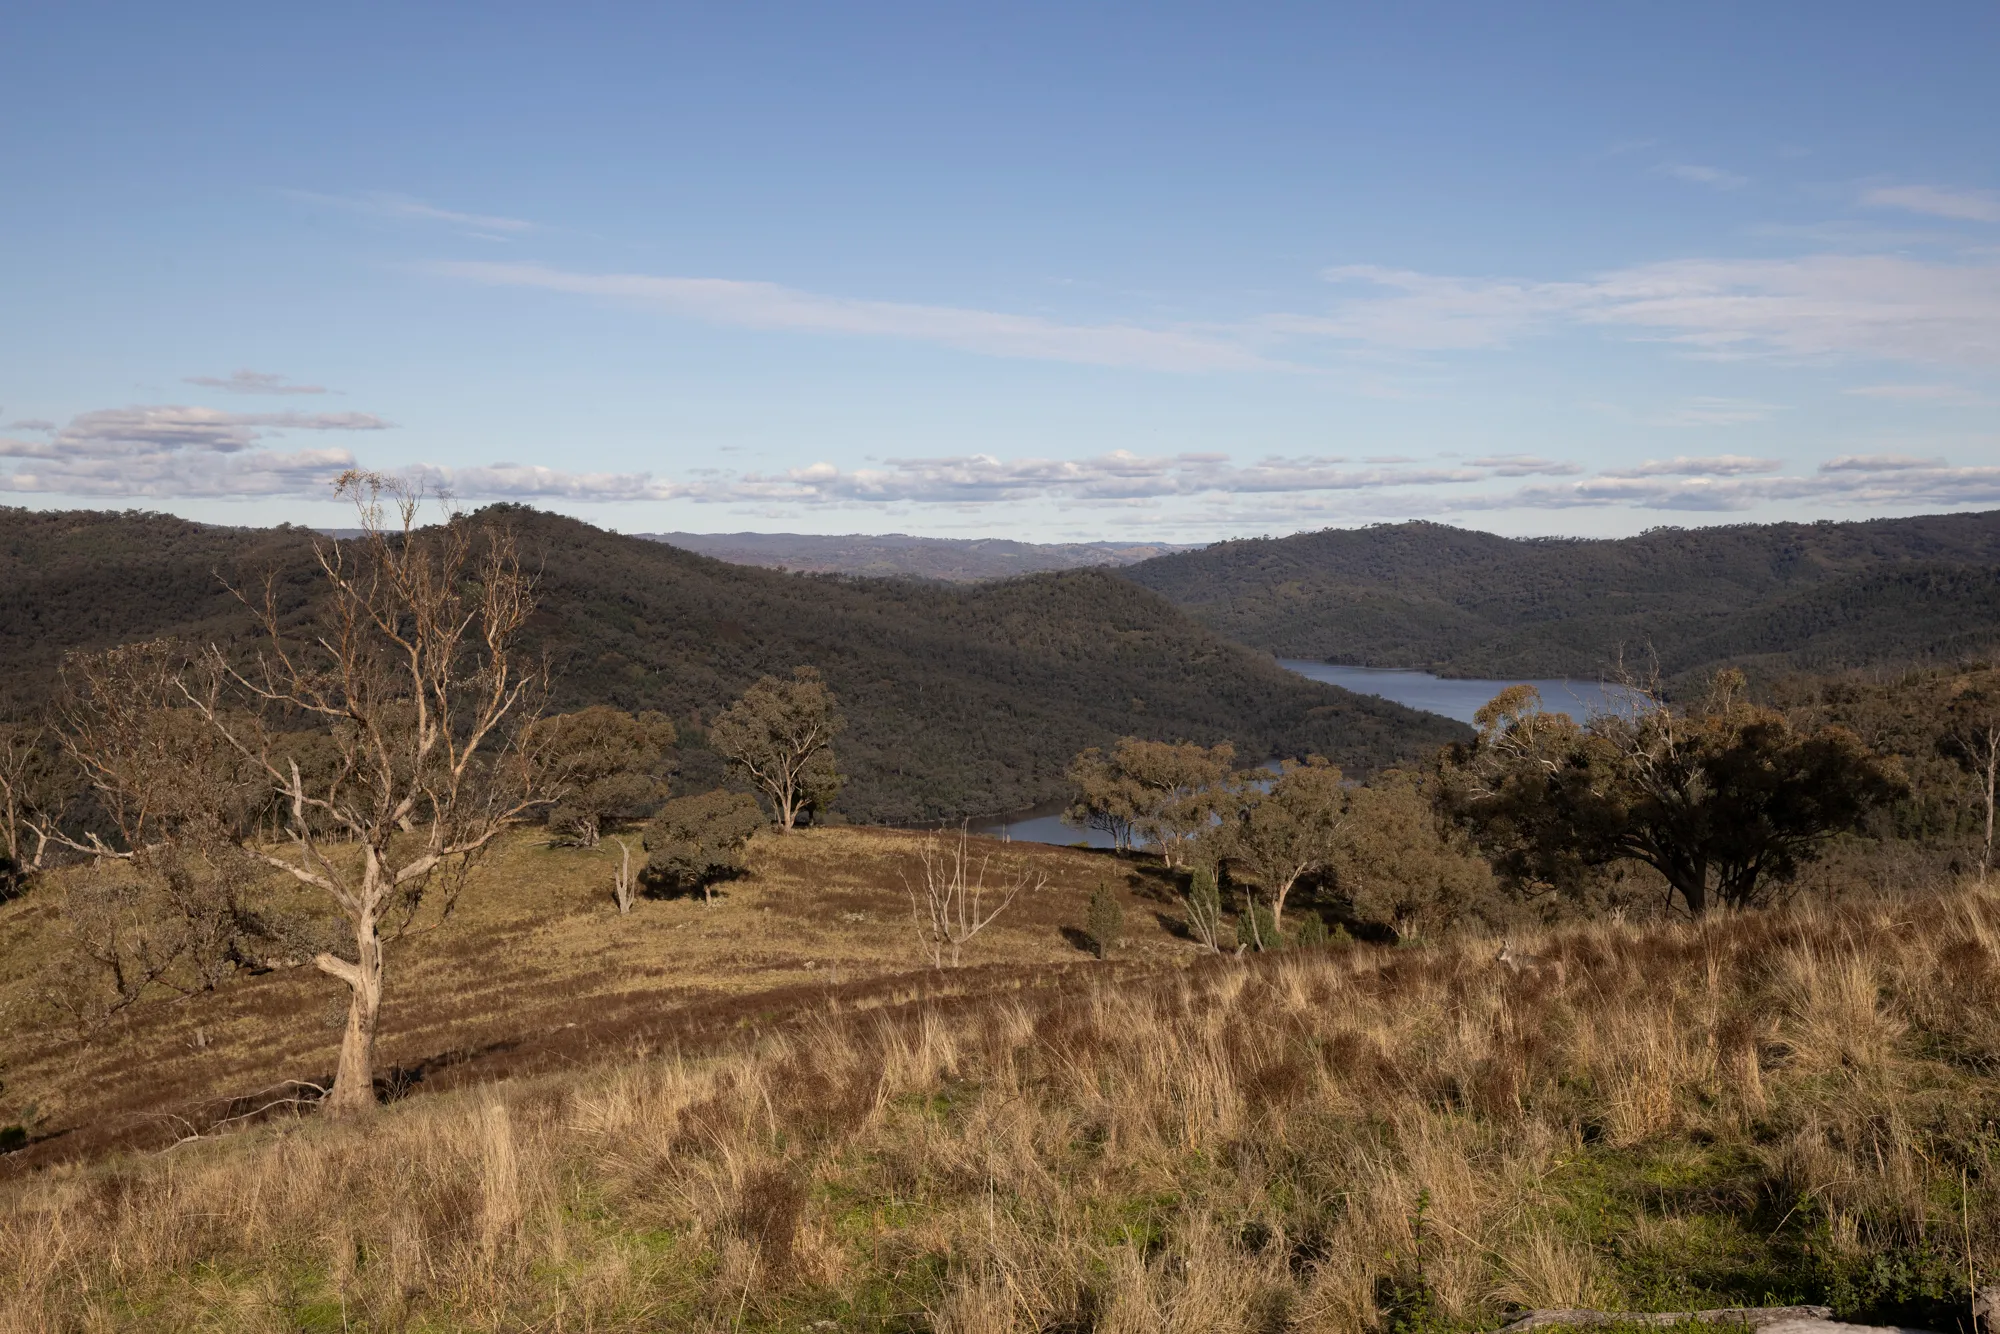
x=960, y=699
x=1770, y=596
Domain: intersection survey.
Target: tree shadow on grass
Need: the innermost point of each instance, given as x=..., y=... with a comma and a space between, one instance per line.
x=1080, y=938
x=705, y=890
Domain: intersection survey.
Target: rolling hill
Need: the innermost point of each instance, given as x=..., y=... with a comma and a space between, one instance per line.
x=1782, y=597
x=961, y=699
x=956, y=559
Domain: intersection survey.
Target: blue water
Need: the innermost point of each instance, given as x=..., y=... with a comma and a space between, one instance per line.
x=1456, y=699
x=1418, y=690
x=1039, y=824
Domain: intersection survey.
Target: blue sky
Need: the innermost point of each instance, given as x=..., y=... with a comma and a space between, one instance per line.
x=1051, y=272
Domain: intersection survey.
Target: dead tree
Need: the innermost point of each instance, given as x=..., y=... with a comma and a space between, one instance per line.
x=395, y=734
x=621, y=879
x=1973, y=732
x=950, y=901
x=33, y=792
x=167, y=903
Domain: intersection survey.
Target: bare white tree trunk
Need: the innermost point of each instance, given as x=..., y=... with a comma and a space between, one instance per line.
x=950, y=902
x=1992, y=739
x=354, y=1078
x=621, y=879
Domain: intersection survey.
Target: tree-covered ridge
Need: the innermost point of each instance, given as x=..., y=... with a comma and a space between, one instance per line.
x=959, y=700
x=1815, y=597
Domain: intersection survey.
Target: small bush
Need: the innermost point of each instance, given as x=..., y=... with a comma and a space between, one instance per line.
x=1105, y=922
x=695, y=841
x=1310, y=932
x=1203, y=903
x=573, y=827
x=1256, y=929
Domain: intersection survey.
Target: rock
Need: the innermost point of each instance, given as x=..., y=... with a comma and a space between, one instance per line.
x=1986, y=1309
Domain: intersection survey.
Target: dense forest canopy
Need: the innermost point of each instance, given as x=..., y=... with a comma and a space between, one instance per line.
x=959, y=700
x=1768, y=597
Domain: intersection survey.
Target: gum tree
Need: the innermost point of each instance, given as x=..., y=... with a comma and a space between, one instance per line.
x=1723, y=798
x=780, y=736
x=1283, y=829
x=394, y=733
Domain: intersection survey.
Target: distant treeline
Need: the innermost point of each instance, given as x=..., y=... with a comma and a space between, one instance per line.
x=1772, y=598
x=960, y=700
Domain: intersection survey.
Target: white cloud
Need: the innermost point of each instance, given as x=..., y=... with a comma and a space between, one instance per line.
x=1873, y=481
x=1813, y=307
x=1709, y=411
x=1718, y=465
x=1936, y=393
x=381, y=204
x=515, y=481
x=174, y=451
x=254, y=382
x=1713, y=177
x=1938, y=202
x=1120, y=477
x=127, y=431
x=762, y=305
x=1117, y=477
x=1879, y=463
x=1889, y=307
x=1523, y=465
x=28, y=424
x=1431, y=312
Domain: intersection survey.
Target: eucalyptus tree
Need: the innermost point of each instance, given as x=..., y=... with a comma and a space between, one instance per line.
x=369, y=750
x=779, y=735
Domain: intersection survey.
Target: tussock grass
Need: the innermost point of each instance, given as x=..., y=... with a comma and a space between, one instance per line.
x=535, y=970
x=1782, y=1107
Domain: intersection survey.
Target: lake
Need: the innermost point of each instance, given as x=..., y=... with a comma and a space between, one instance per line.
x=1418, y=690
x=1455, y=699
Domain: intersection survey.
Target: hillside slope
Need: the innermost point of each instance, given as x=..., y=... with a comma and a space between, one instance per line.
x=1760, y=1109
x=1788, y=596
x=961, y=700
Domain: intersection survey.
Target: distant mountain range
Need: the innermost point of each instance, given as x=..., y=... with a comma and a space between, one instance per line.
x=960, y=699
x=959, y=560
x=1769, y=597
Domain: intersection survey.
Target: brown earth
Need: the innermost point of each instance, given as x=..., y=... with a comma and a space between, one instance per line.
x=534, y=970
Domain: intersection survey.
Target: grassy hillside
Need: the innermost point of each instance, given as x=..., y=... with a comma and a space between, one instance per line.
x=960, y=700
x=1785, y=596
x=1766, y=1108
x=534, y=970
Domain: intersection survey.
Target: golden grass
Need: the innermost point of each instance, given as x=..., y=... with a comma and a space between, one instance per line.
x=535, y=970
x=1333, y=1140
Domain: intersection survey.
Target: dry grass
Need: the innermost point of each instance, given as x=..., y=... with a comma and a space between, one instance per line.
x=535, y=970
x=1766, y=1108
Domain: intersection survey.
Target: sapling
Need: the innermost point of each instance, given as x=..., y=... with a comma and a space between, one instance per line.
x=1105, y=921
x=1203, y=902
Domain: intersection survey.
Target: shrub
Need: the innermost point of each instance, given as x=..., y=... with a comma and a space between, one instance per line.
x=1311, y=931
x=1203, y=902
x=603, y=764
x=1256, y=929
x=695, y=841
x=1105, y=921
